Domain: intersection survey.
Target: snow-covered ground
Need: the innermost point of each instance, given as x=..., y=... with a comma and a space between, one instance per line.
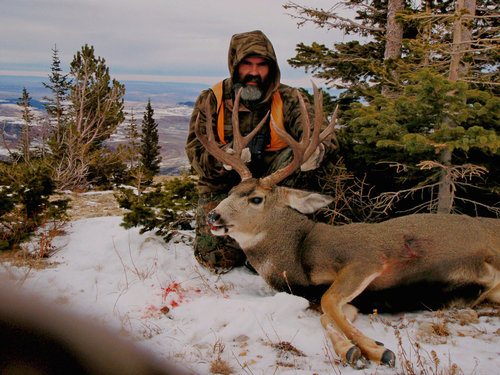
x=158, y=294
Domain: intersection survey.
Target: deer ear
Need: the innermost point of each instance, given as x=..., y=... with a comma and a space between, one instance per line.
x=306, y=202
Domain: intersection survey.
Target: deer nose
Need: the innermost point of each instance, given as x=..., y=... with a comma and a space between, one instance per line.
x=212, y=217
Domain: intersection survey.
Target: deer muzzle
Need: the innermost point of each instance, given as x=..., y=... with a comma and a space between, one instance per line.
x=216, y=223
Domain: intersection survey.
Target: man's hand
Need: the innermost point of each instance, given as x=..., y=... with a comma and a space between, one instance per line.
x=246, y=157
x=314, y=160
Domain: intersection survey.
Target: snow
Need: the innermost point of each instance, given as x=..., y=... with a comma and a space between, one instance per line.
x=161, y=298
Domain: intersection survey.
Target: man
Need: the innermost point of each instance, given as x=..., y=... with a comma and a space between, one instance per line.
x=253, y=67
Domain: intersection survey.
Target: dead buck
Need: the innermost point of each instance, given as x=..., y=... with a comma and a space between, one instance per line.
x=291, y=251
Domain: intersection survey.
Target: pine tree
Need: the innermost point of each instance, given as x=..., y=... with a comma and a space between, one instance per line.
x=402, y=37
x=410, y=133
x=59, y=85
x=95, y=111
x=133, y=143
x=356, y=67
x=450, y=43
x=458, y=38
x=26, y=138
x=150, y=149
x=96, y=99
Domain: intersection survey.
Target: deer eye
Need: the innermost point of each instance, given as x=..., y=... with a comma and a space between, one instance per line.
x=256, y=200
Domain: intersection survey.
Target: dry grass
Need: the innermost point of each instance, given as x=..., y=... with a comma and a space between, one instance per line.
x=97, y=204
x=418, y=361
x=34, y=254
x=286, y=347
x=219, y=365
x=93, y=204
x=440, y=329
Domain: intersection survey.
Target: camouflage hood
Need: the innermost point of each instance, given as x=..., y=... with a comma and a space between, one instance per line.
x=254, y=43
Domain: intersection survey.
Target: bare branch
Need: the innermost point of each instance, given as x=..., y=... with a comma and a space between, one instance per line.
x=325, y=18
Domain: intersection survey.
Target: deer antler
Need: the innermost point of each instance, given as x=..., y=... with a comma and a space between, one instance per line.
x=303, y=150
x=239, y=142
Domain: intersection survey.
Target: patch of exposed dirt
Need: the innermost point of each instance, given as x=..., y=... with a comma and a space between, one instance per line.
x=92, y=204
x=81, y=206
x=98, y=203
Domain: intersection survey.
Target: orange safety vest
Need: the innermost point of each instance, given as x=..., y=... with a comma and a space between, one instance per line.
x=277, y=143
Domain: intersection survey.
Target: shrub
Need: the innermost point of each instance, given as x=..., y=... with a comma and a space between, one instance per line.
x=25, y=203
x=164, y=208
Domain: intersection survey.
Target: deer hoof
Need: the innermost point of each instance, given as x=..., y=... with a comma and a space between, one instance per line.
x=388, y=358
x=354, y=358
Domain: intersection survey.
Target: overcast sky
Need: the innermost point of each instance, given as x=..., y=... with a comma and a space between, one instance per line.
x=170, y=40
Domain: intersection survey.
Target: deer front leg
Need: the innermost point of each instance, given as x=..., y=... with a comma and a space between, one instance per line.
x=349, y=283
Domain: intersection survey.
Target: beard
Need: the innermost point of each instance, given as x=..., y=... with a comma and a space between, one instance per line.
x=251, y=93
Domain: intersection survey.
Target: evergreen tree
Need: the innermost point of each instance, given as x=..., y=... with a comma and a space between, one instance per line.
x=133, y=143
x=457, y=38
x=411, y=131
x=25, y=140
x=150, y=149
x=59, y=86
x=454, y=39
x=402, y=37
x=357, y=68
x=96, y=99
x=95, y=111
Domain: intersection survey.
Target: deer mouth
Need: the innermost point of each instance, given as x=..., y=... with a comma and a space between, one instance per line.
x=219, y=230
x=216, y=224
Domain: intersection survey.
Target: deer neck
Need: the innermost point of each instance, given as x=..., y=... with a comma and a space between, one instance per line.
x=249, y=241
x=276, y=251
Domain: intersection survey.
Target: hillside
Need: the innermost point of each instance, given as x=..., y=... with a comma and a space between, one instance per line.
x=172, y=104
x=173, y=124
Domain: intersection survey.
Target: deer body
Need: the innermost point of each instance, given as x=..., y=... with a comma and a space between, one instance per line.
x=287, y=249
x=292, y=252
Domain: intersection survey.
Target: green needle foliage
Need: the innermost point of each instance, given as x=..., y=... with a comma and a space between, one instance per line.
x=164, y=208
x=25, y=203
x=412, y=130
x=150, y=149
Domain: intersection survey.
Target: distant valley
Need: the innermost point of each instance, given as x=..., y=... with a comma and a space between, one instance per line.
x=172, y=104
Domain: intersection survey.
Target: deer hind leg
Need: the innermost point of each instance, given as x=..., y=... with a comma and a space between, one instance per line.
x=350, y=282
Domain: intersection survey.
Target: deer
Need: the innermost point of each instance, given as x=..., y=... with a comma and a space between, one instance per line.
x=289, y=250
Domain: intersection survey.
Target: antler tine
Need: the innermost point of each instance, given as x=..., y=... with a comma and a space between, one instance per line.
x=298, y=148
x=212, y=147
x=329, y=129
x=302, y=150
x=318, y=121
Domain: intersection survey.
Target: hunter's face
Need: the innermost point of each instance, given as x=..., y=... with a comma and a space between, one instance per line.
x=253, y=71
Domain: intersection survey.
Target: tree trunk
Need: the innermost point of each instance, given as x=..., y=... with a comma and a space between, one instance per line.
x=462, y=37
x=393, y=35
x=461, y=42
x=394, y=30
